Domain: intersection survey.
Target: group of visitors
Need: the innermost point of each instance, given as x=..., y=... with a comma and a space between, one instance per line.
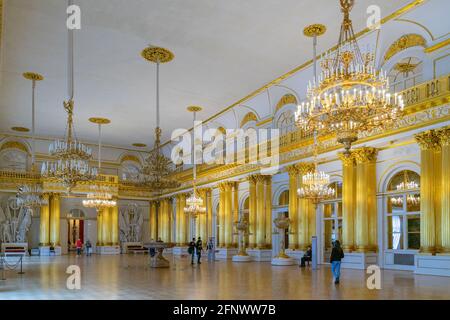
x=87, y=245
x=337, y=254
x=196, y=248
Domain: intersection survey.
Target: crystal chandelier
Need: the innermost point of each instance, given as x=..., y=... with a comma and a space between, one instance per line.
x=31, y=195
x=72, y=156
x=411, y=199
x=316, y=184
x=156, y=171
x=99, y=197
x=194, y=202
x=350, y=96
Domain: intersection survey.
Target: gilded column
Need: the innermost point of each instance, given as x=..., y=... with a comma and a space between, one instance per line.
x=100, y=227
x=209, y=214
x=115, y=226
x=55, y=215
x=184, y=221
x=305, y=211
x=366, y=202
x=153, y=224
x=235, y=212
x=260, y=213
x=44, y=224
x=106, y=226
x=444, y=136
x=293, y=206
x=430, y=147
x=348, y=200
x=228, y=214
x=268, y=210
x=252, y=211
x=221, y=215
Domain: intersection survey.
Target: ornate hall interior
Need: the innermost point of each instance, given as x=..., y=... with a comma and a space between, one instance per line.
x=272, y=130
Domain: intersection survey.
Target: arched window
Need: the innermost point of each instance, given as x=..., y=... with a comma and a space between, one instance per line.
x=129, y=171
x=286, y=122
x=403, y=211
x=332, y=220
x=283, y=199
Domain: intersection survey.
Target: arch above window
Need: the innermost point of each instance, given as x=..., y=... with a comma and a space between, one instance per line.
x=404, y=180
x=283, y=199
x=285, y=100
x=248, y=117
x=403, y=43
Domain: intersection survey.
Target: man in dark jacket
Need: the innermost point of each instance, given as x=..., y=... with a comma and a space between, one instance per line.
x=337, y=254
x=306, y=257
x=199, y=248
x=191, y=249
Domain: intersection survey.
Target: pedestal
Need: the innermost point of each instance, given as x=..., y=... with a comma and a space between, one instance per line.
x=295, y=254
x=438, y=265
x=281, y=261
x=260, y=254
x=242, y=258
x=15, y=249
x=226, y=253
x=110, y=250
x=130, y=245
x=47, y=251
x=359, y=260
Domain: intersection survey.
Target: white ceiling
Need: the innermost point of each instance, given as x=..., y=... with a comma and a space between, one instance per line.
x=223, y=51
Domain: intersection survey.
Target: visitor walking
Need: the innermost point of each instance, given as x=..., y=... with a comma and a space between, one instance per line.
x=79, y=245
x=337, y=254
x=152, y=249
x=88, y=248
x=210, y=248
x=199, y=249
x=191, y=249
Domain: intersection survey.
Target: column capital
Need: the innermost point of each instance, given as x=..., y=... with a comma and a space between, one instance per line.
x=444, y=136
x=428, y=140
x=252, y=179
x=347, y=159
x=292, y=170
x=366, y=154
x=304, y=167
x=268, y=179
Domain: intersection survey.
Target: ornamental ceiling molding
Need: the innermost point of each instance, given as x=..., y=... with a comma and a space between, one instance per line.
x=14, y=145
x=405, y=42
x=130, y=157
x=248, y=118
x=285, y=100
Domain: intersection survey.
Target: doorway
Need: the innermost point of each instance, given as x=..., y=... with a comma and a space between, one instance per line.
x=75, y=228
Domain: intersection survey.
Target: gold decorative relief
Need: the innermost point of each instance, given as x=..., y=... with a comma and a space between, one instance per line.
x=14, y=145
x=248, y=117
x=405, y=42
x=285, y=100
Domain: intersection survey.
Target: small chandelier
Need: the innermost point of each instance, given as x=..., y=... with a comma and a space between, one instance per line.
x=411, y=199
x=156, y=171
x=406, y=184
x=100, y=197
x=316, y=184
x=194, y=202
x=31, y=195
x=350, y=96
x=72, y=156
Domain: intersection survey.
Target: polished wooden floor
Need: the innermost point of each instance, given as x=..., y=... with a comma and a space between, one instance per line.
x=129, y=277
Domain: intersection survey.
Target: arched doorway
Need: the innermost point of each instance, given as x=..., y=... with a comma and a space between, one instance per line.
x=75, y=228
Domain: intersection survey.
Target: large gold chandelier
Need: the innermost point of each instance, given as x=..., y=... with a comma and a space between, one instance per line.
x=72, y=156
x=350, y=96
x=31, y=195
x=194, y=203
x=100, y=197
x=156, y=171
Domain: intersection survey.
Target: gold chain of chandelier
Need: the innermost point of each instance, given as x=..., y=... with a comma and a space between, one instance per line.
x=350, y=95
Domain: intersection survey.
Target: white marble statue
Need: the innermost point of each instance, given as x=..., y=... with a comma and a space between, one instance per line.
x=131, y=219
x=15, y=221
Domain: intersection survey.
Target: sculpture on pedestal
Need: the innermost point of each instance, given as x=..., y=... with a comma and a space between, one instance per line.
x=15, y=221
x=242, y=227
x=131, y=219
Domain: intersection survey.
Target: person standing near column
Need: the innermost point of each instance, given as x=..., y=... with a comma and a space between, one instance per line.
x=191, y=249
x=199, y=248
x=337, y=254
x=210, y=248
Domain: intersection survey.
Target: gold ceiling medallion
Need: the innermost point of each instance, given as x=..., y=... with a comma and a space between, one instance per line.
x=157, y=54
x=139, y=145
x=403, y=43
x=33, y=76
x=314, y=30
x=100, y=120
x=194, y=109
x=20, y=129
x=350, y=96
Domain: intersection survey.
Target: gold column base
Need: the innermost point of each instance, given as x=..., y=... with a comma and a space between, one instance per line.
x=348, y=248
x=293, y=247
x=44, y=244
x=431, y=250
x=365, y=249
